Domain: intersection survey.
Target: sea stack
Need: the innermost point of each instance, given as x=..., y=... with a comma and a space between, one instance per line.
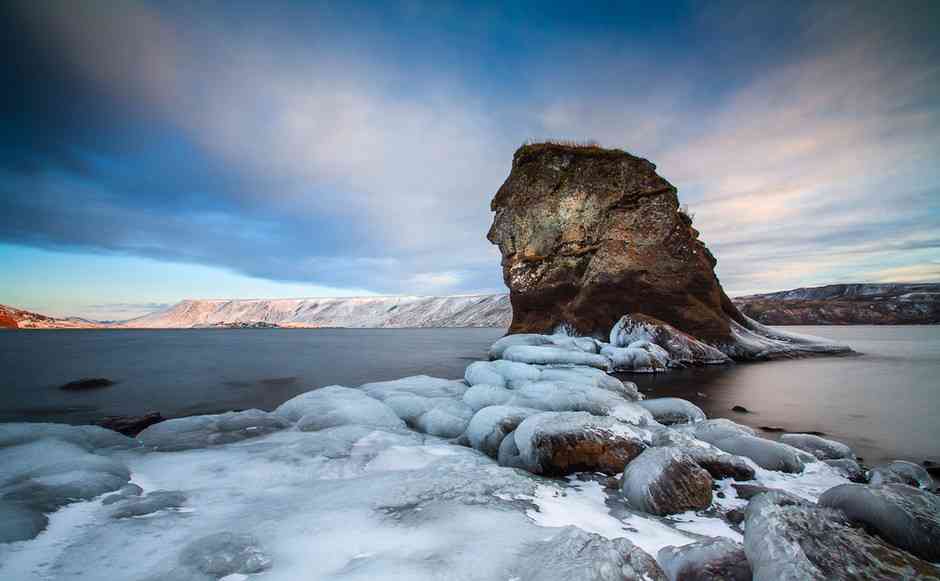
x=590, y=234
x=592, y=237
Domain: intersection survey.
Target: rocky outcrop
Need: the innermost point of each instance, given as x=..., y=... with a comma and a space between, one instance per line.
x=592, y=236
x=13, y=318
x=846, y=304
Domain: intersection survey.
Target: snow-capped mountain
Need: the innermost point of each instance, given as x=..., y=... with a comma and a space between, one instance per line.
x=13, y=318
x=359, y=312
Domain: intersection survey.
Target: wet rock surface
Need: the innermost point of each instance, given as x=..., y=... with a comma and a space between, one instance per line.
x=555, y=444
x=710, y=560
x=905, y=516
x=788, y=538
x=665, y=481
x=87, y=383
x=822, y=448
x=575, y=555
x=130, y=425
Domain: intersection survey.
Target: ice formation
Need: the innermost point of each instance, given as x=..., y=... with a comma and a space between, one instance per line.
x=418, y=478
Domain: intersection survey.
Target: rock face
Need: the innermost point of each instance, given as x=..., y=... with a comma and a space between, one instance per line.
x=590, y=234
x=666, y=481
x=846, y=304
x=787, y=538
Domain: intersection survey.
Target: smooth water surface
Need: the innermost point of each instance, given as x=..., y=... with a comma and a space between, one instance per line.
x=194, y=371
x=884, y=400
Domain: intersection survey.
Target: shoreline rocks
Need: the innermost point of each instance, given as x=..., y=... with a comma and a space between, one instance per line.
x=665, y=481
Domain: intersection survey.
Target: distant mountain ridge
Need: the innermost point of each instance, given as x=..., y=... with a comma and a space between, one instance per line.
x=491, y=310
x=13, y=318
x=847, y=304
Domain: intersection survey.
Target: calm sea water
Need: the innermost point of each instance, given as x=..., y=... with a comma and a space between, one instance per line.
x=884, y=401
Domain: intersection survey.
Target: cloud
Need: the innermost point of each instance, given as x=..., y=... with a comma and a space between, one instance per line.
x=303, y=148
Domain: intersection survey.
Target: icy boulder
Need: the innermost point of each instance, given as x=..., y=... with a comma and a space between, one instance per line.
x=210, y=430
x=716, y=429
x=585, y=344
x=716, y=559
x=900, y=472
x=550, y=355
x=766, y=454
x=645, y=358
x=907, y=517
x=786, y=538
x=559, y=443
x=500, y=373
x=335, y=406
x=576, y=555
x=719, y=464
x=89, y=438
x=680, y=349
x=666, y=481
x=849, y=469
x=593, y=377
x=673, y=410
x=822, y=448
x=491, y=424
x=430, y=405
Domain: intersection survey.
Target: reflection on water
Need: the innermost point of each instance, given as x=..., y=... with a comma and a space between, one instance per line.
x=884, y=400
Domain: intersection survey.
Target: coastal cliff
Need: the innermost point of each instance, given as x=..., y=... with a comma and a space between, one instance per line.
x=847, y=304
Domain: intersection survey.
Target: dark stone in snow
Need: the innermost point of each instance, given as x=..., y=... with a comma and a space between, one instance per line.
x=740, y=409
x=932, y=468
x=666, y=481
x=87, y=383
x=772, y=429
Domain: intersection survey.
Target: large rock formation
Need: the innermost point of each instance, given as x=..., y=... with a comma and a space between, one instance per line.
x=590, y=234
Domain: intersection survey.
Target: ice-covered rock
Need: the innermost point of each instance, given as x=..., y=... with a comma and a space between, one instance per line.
x=822, y=448
x=751, y=340
x=585, y=344
x=673, y=410
x=225, y=553
x=717, y=559
x=900, y=471
x=666, y=481
x=334, y=406
x=576, y=555
x=789, y=539
x=491, y=424
x=765, y=453
x=647, y=359
x=716, y=429
x=560, y=397
x=559, y=443
x=906, y=517
x=551, y=355
x=501, y=373
x=430, y=405
x=849, y=468
x=720, y=465
x=677, y=348
x=209, y=430
x=89, y=438
x=582, y=375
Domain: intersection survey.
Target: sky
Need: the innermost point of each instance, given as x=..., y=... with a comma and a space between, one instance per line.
x=155, y=151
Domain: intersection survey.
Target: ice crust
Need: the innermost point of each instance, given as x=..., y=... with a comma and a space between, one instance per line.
x=417, y=478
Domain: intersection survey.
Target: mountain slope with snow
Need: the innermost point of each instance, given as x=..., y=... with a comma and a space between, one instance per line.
x=847, y=304
x=354, y=312
x=13, y=318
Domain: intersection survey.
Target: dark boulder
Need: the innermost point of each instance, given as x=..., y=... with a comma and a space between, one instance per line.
x=665, y=481
x=130, y=425
x=87, y=383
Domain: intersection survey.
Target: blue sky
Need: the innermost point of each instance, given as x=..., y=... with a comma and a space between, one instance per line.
x=154, y=151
